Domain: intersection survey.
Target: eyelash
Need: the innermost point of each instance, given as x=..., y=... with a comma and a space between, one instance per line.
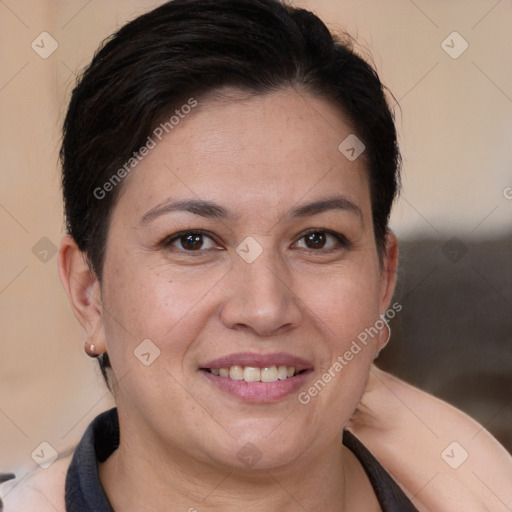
x=169, y=240
x=341, y=241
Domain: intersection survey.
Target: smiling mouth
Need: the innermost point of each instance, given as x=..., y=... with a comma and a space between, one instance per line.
x=255, y=374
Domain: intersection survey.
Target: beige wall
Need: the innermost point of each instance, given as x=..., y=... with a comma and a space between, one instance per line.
x=456, y=134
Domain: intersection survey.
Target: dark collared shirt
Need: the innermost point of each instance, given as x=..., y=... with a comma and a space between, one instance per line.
x=85, y=494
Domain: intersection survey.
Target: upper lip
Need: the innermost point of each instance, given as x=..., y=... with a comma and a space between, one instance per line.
x=259, y=361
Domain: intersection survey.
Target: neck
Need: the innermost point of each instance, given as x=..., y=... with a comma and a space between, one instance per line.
x=141, y=476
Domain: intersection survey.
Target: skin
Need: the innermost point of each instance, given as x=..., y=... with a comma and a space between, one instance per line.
x=259, y=157
x=389, y=422
x=400, y=424
x=407, y=430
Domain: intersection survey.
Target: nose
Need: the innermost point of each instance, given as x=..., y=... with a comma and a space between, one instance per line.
x=260, y=297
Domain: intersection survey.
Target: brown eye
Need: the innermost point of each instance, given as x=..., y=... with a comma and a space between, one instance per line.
x=191, y=242
x=322, y=240
x=315, y=240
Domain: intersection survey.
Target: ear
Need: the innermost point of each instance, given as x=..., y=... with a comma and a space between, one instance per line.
x=83, y=290
x=388, y=271
x=388, y=277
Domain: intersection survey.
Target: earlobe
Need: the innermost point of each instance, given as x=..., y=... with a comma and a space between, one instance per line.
x=83, y=291
x=384, y=338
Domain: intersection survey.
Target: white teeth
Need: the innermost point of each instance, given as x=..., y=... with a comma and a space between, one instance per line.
x=236, y=373
x=269, y=374
x=253, y=374
x=282, y=372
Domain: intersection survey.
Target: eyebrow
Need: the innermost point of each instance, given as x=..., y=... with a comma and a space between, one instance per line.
x=323, y=205
x=210, y=209
x=196, y=206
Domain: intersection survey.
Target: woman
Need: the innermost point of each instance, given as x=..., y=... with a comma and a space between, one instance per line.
x=228, y=174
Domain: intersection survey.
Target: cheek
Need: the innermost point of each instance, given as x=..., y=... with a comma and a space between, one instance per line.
x=345, y=302
x=156, y=303
x=344, y=307
x=151, y=312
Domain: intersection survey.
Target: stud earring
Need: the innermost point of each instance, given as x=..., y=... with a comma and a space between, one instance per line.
x=90, y=349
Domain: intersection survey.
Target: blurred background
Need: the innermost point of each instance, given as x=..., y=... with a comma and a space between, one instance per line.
x=447, y=63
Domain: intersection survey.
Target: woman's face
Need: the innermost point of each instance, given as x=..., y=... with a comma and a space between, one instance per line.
x=243, y=239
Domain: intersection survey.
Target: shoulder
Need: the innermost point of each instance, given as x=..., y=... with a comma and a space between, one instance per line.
x=42, y=490
x=444, y=459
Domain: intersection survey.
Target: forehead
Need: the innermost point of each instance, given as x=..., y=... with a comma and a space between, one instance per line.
x=251, y=150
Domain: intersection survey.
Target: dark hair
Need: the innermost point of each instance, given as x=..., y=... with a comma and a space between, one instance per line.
x=188, y=48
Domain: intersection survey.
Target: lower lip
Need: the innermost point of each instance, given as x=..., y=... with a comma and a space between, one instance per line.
x=258, y=392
